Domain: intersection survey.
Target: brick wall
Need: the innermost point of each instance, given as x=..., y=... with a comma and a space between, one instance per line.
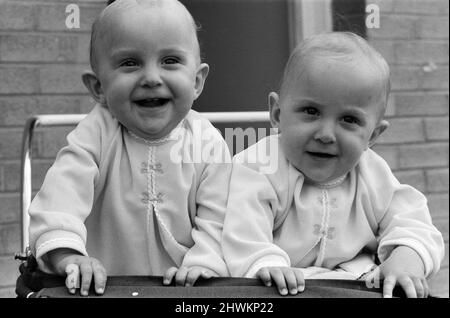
x=41, y=62
x=413, y=36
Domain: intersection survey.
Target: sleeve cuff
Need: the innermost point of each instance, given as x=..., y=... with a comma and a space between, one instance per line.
x=267, y=261
x=57, y=239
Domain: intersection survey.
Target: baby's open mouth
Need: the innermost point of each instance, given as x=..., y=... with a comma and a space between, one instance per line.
x=321, y=155
x=152, y=102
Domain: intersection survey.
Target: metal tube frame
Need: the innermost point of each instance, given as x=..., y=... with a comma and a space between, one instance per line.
x=73, y=119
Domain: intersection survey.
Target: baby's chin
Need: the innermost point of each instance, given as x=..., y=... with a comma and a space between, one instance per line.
x=155, y=130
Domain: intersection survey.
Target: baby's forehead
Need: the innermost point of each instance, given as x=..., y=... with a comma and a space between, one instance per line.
x=120, y=10
x=329, y=79
x=123, y=15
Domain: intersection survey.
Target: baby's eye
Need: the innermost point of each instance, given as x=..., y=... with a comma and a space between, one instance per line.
x=350, y=120
x=128, y=63
x=311, y=111
x=171, y=60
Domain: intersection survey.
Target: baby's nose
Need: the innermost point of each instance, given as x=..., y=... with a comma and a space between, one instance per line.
x=151, y=77
x=326, y=133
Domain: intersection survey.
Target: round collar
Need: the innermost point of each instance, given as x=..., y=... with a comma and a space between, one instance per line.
x=173, y=135
x=330, y=184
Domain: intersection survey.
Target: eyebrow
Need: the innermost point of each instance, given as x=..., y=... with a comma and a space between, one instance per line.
x=352, y=110
x=122, y=51
x=355, y=111
x=130, y=51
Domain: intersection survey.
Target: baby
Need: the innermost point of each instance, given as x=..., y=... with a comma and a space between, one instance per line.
x=332, y=208
x=119, y=191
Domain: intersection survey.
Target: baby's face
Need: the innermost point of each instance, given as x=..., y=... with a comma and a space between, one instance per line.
x=149, y=69
x=328, y=117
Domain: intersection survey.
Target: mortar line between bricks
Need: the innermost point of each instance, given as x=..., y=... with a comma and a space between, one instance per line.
x=55, y=32
x=413, y=14
x=17, y=161
x=416, y=143
x=409, y=40
x=423, y=170
x=39, y=63
x=434, y=193
x=5, y=130
x=414, y=65
x=37, y=32
x=58, y=2
x=423, y=90
x=2, y=127
x=9, y=286
x=45, y=94
x=9, y=223
x=9, y=255
x=416, y=116
x=380, y=37
x=412, y=93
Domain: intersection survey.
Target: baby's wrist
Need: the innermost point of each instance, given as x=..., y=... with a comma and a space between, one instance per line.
x=57, y=256
x=410, y=257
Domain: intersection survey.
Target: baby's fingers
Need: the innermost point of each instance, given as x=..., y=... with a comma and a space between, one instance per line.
x=419, y=287
x=291, y=281
x=425, y=287
x=264, y=276
x=73, y=277
x=194, y=273
x=86, y=277
x=300, y=279
x=388, y=286
x=278, y=278
x=169, y=275
x=408, y=286
x=180, y=276
x=99, y=276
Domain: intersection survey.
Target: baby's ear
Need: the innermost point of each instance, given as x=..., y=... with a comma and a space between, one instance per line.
x=381, y=127
x=274, y=110
x=200, y=78
x=93, y=85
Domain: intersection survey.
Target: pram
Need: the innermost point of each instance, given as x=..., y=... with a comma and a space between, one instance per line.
x=34, y=283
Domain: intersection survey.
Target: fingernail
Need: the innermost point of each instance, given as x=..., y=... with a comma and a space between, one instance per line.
x=387, y=296
x=284, y=291
x=187, y=285
x=84, y=292
x=100, y=290
x=72, y=290
x=294, y=291
x=166, y=282
x=301, y=288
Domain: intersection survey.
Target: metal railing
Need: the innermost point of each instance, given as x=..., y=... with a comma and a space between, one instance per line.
x=71, y=120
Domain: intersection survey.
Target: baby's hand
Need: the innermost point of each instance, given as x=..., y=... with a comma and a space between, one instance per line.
x=187, y=276
x=69, y=262
x=287, y=279
x=405, y=268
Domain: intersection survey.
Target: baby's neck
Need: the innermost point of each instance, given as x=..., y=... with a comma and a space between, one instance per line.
x=329, y=184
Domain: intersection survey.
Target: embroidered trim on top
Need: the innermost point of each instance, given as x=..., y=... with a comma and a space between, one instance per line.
x=331, y=184
x=171, y=136
x=151, y=198
x=324, y=228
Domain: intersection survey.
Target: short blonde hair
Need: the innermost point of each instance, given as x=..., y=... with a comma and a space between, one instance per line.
x=342, y=46
x=98, y=27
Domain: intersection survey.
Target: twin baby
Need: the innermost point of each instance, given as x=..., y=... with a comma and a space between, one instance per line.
x=331, y=208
